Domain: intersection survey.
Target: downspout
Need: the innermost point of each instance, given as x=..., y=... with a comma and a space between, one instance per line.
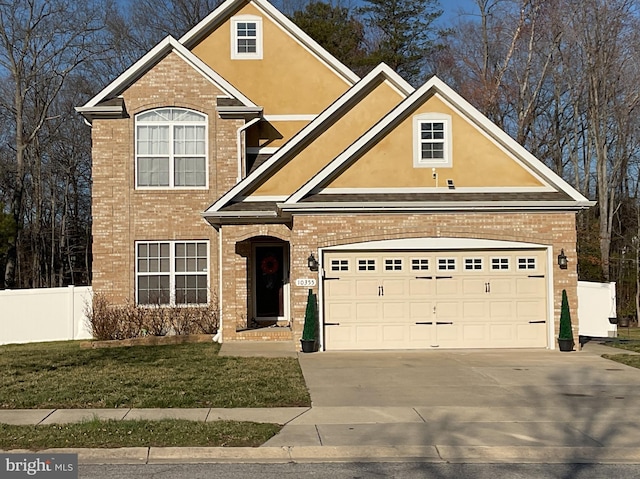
x=218, y=336
x=241, y=130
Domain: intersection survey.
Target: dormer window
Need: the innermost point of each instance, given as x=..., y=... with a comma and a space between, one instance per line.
x=432, y=140
x=246, y=37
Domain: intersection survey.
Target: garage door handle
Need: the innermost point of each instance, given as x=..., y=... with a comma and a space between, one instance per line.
x=330, y=279
x=444, y=277
x=428, y=322
x=332, y=324
x=442, y=322
x=538, y=322
x=424, y=277
x=536, y=276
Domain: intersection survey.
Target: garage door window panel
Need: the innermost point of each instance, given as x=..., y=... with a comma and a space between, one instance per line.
x=393, y=264
x=500, y=264
x=527, y=264
x=339, y=265
x=473, y=264
x=366, y=265
x=420, y=264
x=446, y=264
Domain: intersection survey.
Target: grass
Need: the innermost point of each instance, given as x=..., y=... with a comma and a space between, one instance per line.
x=111, y=434
x=61, y=375
x=629, y=339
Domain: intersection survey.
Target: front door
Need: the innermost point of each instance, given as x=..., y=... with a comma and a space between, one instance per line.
x=269, y=281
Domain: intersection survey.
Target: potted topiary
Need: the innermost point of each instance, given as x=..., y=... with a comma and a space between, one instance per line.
x=310, y=328
x=565, y=335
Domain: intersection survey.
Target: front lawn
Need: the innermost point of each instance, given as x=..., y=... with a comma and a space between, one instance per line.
x=111, y=434
x=62, y=375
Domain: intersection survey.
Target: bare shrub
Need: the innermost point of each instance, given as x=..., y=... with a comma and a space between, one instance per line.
x=110, y=322
x=155, y=320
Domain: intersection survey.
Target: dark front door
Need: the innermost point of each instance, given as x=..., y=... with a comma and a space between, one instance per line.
x=269, y=281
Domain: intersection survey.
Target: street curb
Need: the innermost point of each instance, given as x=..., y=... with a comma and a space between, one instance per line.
x=314, y=454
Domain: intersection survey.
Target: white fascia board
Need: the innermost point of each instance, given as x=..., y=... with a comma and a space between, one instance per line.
x=150, y=59
x=438, y=189
x=225, y=10
x=380, y=207
x=437, y=86
x=240, y=214
x=318, y=122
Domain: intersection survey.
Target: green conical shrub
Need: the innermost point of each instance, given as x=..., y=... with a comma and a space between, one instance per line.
x=310, y=328
x=565, y=318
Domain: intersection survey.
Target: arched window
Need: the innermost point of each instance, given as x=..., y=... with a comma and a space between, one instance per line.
x=171, y=149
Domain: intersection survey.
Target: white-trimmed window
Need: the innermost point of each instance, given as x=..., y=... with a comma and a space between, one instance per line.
x=432, y=140
x=172, y=272
x=246, y=37
x=500, y=264
x=171, y=149
x=473, y=264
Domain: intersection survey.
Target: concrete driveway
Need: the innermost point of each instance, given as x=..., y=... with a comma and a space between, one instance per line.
x=470, y=399
x=479, y=378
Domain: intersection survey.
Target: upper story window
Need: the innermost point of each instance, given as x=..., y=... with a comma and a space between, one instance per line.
x=246, y=37
x=432, y=140
x=171, y=149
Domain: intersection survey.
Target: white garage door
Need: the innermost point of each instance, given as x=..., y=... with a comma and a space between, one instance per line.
x=435, y=299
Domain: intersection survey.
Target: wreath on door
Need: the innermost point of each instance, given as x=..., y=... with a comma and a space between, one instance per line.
x=269, y=265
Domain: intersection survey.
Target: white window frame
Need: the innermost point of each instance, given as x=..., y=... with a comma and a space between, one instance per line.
x=238, y=55
x=447, y=160
x=502, y=260
x=367, y=263
x=474, y=262
x=448, y=261
x=172, y=273
x=528, y=262
x=420, y=264
x=393, y=264
x=339, y=264
x=172, y=155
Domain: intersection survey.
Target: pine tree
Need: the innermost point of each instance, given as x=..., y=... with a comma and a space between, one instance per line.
x=402, y=34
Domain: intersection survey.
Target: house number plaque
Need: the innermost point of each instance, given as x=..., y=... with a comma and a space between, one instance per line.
x=306, y=282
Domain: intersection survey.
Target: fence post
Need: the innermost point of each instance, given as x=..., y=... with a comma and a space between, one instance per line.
x=71, y=311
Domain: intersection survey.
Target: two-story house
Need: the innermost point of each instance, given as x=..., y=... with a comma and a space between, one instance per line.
x=226, y=162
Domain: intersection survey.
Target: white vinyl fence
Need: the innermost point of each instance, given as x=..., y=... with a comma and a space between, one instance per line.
x=44, y=314
x=596, y=304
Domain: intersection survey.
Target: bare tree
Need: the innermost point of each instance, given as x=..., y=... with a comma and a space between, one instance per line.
x=41, y=43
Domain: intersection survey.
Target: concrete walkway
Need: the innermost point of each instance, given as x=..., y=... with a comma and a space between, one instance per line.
x=456, y=406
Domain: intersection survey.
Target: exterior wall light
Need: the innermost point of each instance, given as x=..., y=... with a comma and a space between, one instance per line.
x=312, y=262
x=562, y=260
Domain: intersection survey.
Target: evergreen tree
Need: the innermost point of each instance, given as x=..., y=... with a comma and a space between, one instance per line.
x=402, y=34
x=336, y=30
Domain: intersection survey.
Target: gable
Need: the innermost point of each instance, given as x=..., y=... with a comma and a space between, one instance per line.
x=538, y=187
x=330, y=143
x=477, y=161
x=288, y=79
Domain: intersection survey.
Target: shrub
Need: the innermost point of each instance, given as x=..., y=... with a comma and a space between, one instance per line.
x=565, y=318
x=108, y=321
x=310, y=328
